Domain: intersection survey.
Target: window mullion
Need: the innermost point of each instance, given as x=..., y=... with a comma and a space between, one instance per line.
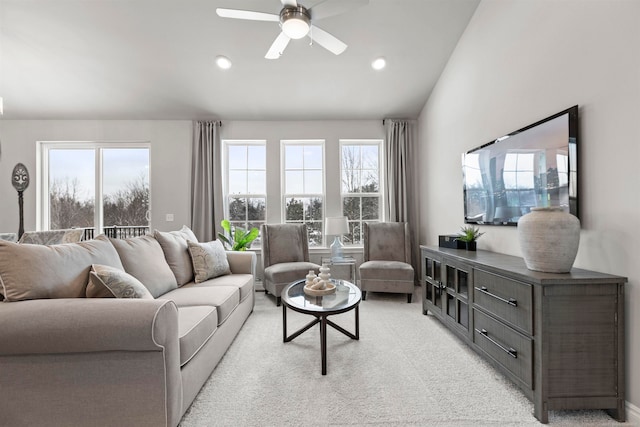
x=98, y=216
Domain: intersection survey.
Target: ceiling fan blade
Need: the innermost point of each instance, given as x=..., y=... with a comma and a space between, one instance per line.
x=247, y=14
x=326, y=40
x=289, y=3
x=334, y=7
x=278, y=46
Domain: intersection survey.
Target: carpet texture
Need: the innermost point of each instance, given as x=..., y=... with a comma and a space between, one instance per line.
x=406, y=369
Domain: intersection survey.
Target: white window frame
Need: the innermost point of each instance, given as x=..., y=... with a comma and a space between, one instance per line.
x=283, y=183
x=42, y=176
x=381, y=185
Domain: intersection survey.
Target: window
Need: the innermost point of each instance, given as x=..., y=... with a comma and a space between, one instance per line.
x=303, y=182
x=246, y=184
x=93, y=185
x=360, y=189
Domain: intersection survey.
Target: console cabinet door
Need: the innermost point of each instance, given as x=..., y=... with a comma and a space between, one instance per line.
x=433, y=284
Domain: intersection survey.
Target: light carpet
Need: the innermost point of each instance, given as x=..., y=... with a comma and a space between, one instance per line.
x=406, y=369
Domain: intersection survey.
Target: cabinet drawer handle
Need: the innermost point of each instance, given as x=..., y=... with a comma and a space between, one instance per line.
x=510, y=351
x=511, y=301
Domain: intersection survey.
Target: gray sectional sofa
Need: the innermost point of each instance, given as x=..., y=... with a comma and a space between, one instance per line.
x=116, y=333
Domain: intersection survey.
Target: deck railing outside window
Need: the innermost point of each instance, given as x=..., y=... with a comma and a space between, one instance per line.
x=117, y=232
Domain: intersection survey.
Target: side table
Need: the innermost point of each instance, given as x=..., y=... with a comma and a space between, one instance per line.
x=349, y=261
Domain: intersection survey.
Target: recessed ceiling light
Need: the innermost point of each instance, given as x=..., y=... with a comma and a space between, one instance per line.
x=223, y=62
x=378, y=64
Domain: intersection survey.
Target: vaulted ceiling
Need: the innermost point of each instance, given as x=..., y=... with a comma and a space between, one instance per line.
x=154, y=59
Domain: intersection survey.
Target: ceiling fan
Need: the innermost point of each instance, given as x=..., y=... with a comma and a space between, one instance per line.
x=296, y=21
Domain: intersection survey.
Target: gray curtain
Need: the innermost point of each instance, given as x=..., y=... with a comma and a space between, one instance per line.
x=206, y=180
x=401, y=179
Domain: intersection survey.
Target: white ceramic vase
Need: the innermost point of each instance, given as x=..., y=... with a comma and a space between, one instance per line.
x=324, y=276
x=549, y=239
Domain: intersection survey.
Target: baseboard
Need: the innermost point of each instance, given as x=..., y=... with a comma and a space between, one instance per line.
x=632, y=414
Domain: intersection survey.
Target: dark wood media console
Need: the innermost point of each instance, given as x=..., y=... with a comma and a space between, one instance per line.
x=559, y=337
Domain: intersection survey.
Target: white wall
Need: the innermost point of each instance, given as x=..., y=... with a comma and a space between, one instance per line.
x=170, y=162
x=521, y=61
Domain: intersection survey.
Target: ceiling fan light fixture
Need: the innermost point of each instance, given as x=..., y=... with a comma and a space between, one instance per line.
x=295, y=22
x=223, y=62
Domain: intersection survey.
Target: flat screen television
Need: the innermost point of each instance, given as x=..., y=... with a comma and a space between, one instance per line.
x=536, y=166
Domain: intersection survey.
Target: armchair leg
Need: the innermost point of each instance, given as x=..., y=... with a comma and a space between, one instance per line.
x=409, y=298
x=278, y=301
x=364, y=295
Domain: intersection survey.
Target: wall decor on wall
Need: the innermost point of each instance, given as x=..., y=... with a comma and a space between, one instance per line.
x=20, y=181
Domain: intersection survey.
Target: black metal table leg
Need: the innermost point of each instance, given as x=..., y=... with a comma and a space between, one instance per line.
x=284, y=323
x=323, y=343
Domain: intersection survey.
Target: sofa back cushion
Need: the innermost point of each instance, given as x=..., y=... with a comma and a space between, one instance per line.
x=142, y=257
x=58, y=271
x=174, y=246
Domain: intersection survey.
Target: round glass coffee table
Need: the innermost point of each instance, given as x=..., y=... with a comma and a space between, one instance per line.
x=346, y=298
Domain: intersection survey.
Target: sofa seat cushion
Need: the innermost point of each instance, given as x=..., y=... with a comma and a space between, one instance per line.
x=224, y=298
x=287, y=272
x=196, y=325
x=58, y=271
x=386, y=270
x=143, y=258
x=244, y=282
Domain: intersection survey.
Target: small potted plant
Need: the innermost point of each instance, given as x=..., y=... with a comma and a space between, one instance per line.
x=239, y=239
x=469, y=235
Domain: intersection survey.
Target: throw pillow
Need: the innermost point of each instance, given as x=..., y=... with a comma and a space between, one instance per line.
x=209, y=260
x=117, y=282
x=53, y=237
x=142, y=257
x=58, y=271
x=174, y=246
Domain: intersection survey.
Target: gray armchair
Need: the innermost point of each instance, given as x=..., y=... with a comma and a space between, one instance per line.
x=285, y=256
x=387, y=259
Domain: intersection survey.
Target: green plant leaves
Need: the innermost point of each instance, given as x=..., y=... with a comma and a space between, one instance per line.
x=238, y=240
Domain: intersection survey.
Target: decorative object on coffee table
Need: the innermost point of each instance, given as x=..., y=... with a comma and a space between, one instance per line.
x=319, y=285
x=549, y=239
x=20, y=181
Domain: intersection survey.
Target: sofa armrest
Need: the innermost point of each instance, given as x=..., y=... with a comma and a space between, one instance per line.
x=82, y=325
x=242, y=262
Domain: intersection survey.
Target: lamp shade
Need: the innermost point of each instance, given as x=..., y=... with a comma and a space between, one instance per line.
x=336, y=226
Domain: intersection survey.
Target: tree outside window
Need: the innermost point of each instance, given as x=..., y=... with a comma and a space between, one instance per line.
x=92, y=185
x=304, y=186
x=246, y=184
x=360, y=189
